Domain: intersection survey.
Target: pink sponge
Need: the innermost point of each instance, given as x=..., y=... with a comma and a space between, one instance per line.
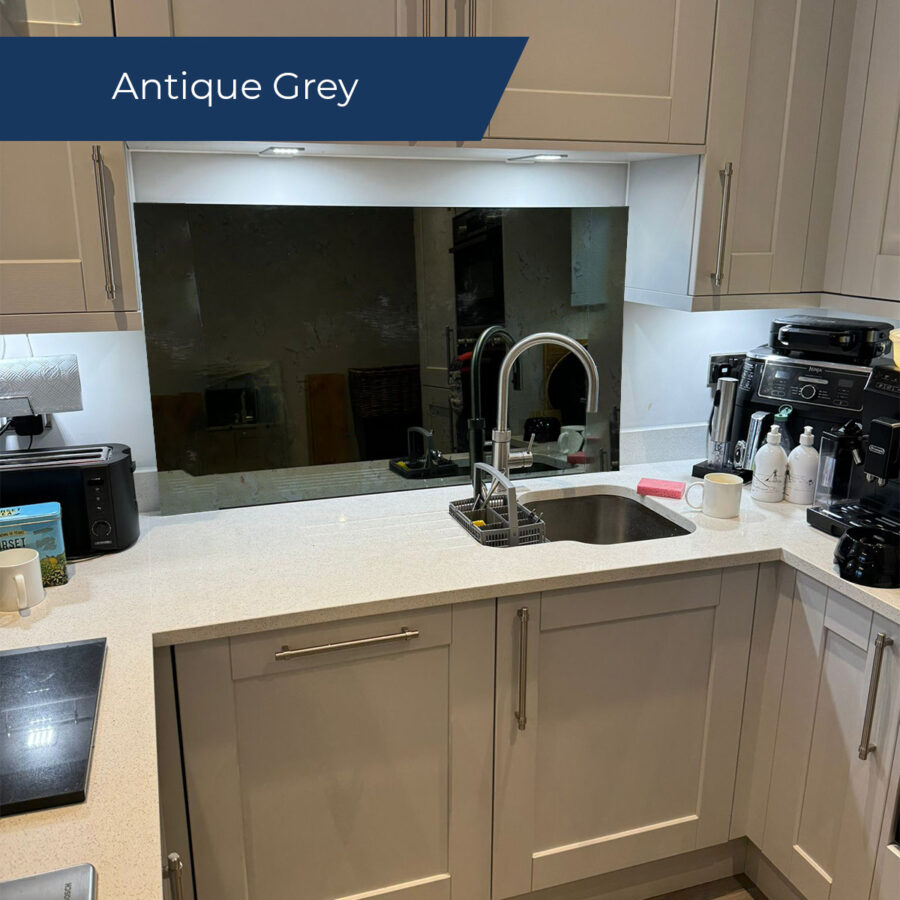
x=657, y=488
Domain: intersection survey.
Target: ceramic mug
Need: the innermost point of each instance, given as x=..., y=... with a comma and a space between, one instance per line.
x=21, y=585
x=721, y=495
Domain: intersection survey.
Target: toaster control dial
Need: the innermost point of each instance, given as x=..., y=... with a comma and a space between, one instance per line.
x=101, y=529
x=807, y=392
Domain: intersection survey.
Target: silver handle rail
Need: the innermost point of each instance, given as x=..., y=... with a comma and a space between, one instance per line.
x=173, y=871
x=473, y=15
x=426, y=18
x=103, y=211
x=521, y=717
x=865, y=745
x=725, y=175
x=404, y=634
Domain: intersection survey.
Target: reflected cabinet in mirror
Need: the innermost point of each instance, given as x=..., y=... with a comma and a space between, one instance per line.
x=301, y=352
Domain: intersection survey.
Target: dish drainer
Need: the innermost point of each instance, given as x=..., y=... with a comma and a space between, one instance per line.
x=488, y=519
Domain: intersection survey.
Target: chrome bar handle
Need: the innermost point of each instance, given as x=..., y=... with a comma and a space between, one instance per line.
x=103, y=210
x=426, y=18
x=725, y=175
x=865, y=747
x=473, y=14
x=173, y=871
x=404, y=634
x=521, y=716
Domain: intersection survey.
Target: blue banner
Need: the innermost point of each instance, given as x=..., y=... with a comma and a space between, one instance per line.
x=279, y=89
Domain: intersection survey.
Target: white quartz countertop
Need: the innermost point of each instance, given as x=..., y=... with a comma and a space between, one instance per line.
x=207, y=575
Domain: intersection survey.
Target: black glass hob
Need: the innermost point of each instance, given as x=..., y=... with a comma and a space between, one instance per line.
x=48, y=707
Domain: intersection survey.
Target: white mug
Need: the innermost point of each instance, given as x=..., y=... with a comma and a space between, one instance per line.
x=21, y=585
x=721, y=495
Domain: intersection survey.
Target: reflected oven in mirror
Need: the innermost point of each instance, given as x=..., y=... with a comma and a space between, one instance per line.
x=301, y=352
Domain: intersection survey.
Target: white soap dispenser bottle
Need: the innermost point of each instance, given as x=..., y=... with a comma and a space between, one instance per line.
x=769, y=469
x=803, y=463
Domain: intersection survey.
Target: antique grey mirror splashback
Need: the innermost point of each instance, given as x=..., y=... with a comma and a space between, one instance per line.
x=303, y=352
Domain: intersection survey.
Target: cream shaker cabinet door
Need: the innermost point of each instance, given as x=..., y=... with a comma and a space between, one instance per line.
x=864, y=249
x=618, y=716
x=96, y=19
x=886, y=885
x=841, y=694
x=65, y=228
x=774, y=177
x=361, y=770
x=312, y=18
x=600, y=70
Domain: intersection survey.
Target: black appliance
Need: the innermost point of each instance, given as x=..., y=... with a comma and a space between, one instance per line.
x=94, y=486
x=835, y=340
x=866, y=479
x=869, y=556
x=478, y=271
x=48, y=707
x=822, y=394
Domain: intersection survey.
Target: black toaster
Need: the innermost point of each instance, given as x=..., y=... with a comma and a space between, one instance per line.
x=94, y=486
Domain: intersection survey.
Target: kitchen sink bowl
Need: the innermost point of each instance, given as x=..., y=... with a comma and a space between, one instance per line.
x=602, y=519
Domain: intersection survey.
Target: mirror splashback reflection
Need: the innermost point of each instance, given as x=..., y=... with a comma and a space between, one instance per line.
x=304, y=352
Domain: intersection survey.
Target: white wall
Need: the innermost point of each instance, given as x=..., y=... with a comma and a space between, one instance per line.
x=664, y=360
x=665, y=357
x=115, y=391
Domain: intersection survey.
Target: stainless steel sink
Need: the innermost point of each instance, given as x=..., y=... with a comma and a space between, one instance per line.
x=602, y=519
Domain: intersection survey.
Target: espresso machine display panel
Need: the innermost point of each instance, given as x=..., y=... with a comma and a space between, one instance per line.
x=838, y=387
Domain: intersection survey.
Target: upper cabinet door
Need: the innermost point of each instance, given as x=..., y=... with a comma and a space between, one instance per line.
x=312, y=18
x=96, y=19
x=602, y=70
x=864, y=249
x=618, y=715
x=65, y=233
x=788, y=107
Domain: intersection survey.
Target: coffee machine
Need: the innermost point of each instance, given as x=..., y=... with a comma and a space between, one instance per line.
x=831, y=374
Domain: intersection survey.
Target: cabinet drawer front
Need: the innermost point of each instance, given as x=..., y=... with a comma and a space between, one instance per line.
x=630, y=599
x=254, y=655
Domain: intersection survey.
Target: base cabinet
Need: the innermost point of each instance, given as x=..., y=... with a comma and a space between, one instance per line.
x=886, y=885
x=826, y=804
x=618, y=715
x=328, y=774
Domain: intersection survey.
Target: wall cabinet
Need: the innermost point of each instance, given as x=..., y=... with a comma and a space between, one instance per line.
x=618, y=713
x=613, y=70
x=864, y=247
x=825, y=810
x=362, y=770
x=312, y=18
x=749, y=220
x=65, y=231
x=96, y=19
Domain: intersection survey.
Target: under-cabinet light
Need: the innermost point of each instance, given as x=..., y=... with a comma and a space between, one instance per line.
x=538, y=157
x=283, y=152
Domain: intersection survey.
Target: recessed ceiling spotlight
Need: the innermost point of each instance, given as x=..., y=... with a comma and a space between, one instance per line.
x=538, y=157
x=283, y=152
